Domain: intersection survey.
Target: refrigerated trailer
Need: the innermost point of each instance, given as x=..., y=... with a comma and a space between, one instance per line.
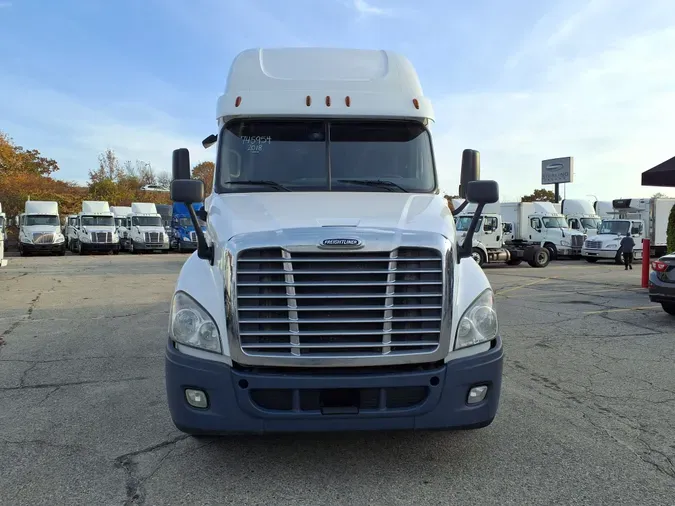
x=654, y=213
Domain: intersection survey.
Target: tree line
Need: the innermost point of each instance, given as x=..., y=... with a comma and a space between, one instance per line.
x=27, y=174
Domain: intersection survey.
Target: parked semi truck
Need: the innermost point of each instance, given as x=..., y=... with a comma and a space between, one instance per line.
x=334, y=294
x=654, y=214
x=120, y=213
x=488, y=239
x=145, y=230
x=605, y=244
x=183, y=233
x=40, y=229
x=539, y=223
x=581, y=216
x=165, y=211
x=95, y=229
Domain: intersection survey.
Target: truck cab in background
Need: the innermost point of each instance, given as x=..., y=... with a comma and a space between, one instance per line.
x=166, y=212
x=145, y=229
x=539, y=223
x=70, y=231
x=183, y=233
x=40, y=229
x=334, y=294
x=605, y=244
x=95, y=229
x=581, y=216
x=120, y=213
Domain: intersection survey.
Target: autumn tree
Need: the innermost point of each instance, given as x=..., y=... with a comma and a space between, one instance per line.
x=660, y=195
x=15, y=158
x=539, y=195
x=204, y=171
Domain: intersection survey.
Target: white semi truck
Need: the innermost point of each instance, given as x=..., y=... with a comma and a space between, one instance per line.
x=581, y=216
x=145, y=229
x=95, y=229
x=120, y=213
x=654, y=214
x=40, y=229
x=605, y=244
x=334, y=294
x=489, y=236
x=539, y=223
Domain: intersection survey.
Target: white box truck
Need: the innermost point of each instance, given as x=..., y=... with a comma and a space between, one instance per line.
x=489, y=238
x=40, y=229
x=605, y=244
x=539, y=223
x=581, y=216
x=145, y=229
x=654, y=213
x=334, y=294
x=95, y=229
x=121, y=213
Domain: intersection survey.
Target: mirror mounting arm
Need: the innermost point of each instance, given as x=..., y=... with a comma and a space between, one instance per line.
x=464, y=251
x=204, y=250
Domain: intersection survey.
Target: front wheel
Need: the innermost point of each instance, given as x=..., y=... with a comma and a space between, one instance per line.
x=478, y=256
x=617, y=258
x=669, y=307
x=552, y=251
x=540, y=257
x=591, y=260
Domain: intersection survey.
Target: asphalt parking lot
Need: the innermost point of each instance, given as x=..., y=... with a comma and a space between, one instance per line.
x=587, y=413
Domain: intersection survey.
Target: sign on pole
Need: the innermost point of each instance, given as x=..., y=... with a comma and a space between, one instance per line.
x=557, y=170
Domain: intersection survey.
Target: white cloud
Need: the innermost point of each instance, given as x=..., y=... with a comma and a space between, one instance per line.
x=611, y=107
x=365, y=9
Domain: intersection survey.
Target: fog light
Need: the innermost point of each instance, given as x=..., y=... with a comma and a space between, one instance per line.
x=196, y=398
x=477, y=394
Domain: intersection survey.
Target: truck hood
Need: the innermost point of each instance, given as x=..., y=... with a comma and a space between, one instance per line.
x=234, y=214
x=41, y=229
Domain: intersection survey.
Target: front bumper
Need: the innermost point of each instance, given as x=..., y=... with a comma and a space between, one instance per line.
x=150, y=246
x=254, y=402
x=57, y=247
x=599, y=253
x=568, y=251
x=97, y=246
x=660, y=291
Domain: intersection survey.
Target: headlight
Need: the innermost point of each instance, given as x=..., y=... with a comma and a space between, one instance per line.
x=59, y=238
x=611, y=245
x=564, y=243
x=478, y=323
x=191, y=325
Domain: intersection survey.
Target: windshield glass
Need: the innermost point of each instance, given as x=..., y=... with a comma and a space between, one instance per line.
x=146, y=221
x=554, y=222
x=119, y=222
x=614, y=227
x=315, y=155
x=590, y=222
x=100, y=221
x=41, y=219
x=463, y=223
x=187, y=222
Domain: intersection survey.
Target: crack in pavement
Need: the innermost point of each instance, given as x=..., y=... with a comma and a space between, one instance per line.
x=22, y=319
x=72, y=383
x=135, y=488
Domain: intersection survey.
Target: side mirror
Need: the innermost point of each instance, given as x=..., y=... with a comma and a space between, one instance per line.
x=209, y=141
x=180, y=166
x=482, y=192
x=470, y=171
x=187, y=191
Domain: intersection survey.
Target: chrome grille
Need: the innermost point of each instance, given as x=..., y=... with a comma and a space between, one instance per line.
x=578, y=241
x=193, y=236
x=338, y=304
x=42, y=238
x=593, y=244
x=154, y=237
x=101, y=237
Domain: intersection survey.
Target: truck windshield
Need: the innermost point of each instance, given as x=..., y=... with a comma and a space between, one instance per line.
x=146, y=221
x=554, y=222
x=590, y=223
x=41, y=219
x=100, y=221
x=614, y=227
x=463, y=223
x=119, y=222
x=339, y=155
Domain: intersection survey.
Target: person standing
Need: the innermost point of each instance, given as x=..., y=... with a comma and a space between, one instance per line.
x=626, y=248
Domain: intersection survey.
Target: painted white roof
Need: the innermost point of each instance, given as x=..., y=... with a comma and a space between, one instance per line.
x=95, y=207
x=121, y=211
x=41, y=207
x=143, y=208
x=277, y=82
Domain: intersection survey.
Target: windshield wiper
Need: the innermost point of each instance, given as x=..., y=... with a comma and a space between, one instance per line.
x=271, y=184
x=379, y=183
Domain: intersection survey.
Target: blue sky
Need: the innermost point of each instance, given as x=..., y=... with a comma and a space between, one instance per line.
x=520, y=81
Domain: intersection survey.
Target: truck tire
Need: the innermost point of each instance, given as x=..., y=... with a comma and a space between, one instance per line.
x=591, y=260
x=540, y=257
x=478, y=256
x=669, y=307
x=552, y=250
x=515, y=261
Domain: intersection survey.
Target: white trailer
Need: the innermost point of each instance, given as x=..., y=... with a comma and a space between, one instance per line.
x=581, y=216
x=489, y=245
x=335, y=283
x=654, y=213
x=95, y=229
x=604, y=209
x=40, y=229
x=539, y=223
x=145, y=229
